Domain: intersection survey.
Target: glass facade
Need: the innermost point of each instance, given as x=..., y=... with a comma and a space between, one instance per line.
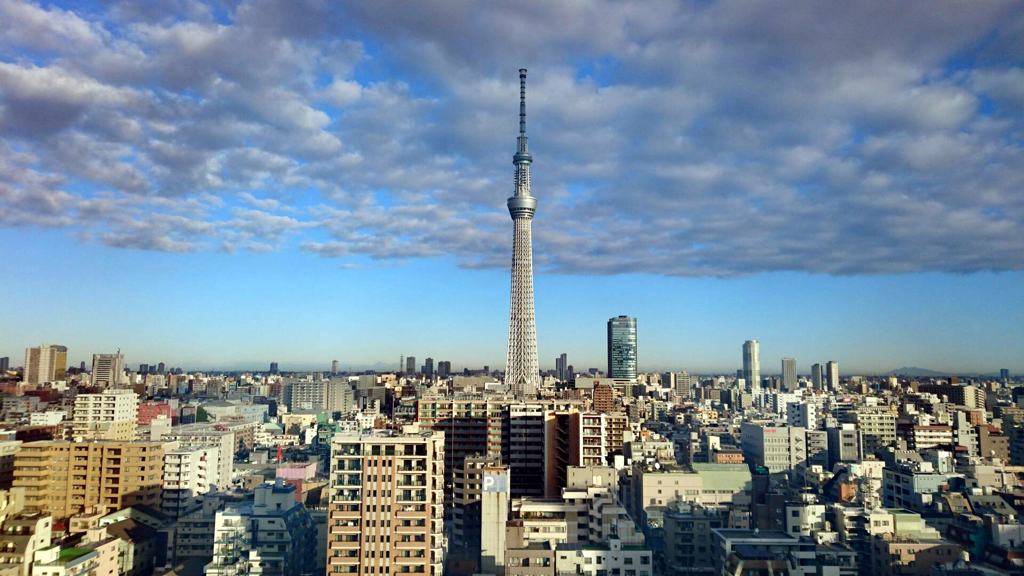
x=622, y=347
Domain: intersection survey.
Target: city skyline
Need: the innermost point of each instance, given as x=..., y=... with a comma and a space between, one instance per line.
x=378, y=179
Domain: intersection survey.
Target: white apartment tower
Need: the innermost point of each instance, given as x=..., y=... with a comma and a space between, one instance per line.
x=752, y=365
x=188, y=474
x=111, y=415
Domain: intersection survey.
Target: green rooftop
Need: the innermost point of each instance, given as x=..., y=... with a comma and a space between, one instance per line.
x=69, y=554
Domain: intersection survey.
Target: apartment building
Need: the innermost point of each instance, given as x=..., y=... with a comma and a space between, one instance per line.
x=188, y=473
x=111, y=415
x=63, y=478
x=877, y=428
x=386, y=503
x=274, y=535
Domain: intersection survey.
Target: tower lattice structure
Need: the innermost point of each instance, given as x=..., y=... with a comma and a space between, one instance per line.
x=522, y=371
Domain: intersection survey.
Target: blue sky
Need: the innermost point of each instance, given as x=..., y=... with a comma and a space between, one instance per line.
x=226, y=185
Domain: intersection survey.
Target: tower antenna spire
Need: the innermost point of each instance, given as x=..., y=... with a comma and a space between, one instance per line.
x=522, y=101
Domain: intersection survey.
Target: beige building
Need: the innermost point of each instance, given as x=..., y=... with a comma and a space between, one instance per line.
x=910, y=556
x=386, y=503
x=21, y=536
x=110, y=415
x=45, y=363
x=62, y=478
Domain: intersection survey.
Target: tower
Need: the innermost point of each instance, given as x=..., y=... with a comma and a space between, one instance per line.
x=521, y=368
x=752, y=365
x=622, y=347
x=788, y=374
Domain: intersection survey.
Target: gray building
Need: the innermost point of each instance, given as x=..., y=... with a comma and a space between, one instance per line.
x=622, y=350
x=789, y=374
x=816, y=376
x=781, y=449
x=410, y=365
x=844, y=445
x=428, y=367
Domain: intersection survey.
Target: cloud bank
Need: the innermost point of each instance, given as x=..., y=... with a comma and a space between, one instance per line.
x=687, y=139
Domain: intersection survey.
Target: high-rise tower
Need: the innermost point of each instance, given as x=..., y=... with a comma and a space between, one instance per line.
x=752, y=365
x=521, y=369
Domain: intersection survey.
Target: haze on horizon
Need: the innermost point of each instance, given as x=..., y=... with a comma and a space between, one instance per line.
x=225, y=184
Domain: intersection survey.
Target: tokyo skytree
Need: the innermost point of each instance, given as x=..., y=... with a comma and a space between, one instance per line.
x=521, y=370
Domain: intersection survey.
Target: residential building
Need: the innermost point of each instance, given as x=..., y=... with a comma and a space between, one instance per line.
x=386, y=503
x=111, y=415
x=189, y=473
x=63, y=478
x=45, y=363
x=789, y=374
x=832, y=375
x=752, y=365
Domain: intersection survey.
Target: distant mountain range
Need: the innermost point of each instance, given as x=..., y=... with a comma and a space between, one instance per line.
x=913, y=371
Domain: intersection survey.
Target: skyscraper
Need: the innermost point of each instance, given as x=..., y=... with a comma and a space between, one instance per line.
x=428, y=367
x=622, y=347
x=410, y=365
x=273, y=368
x=107, y=369
x=1004, y=373
x=752, y=365
x=789, y=374
x=832, y=375
x=160, y=368
x=5, y=364
x=816, y=376
x=562, y=367
x=45, y=363
x=334, y=367
x=522, y=368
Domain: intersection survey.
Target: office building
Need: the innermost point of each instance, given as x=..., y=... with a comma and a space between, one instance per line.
x=63, y=478
x=622, y=348
x=273, y=368
x=844, y=445
x=817, y=377
x=562, y=367
x=444, y=369
x=752, y=365
x=334, y=368
x=109, y=415
x=5, y=365
x=428, y=367
x=410, y=365
x=780, y=449
x=789, y=374
x=45, y=363
x=160, y=368
x=107, y=370
x=832, y=375
x=1004, y=373
x=386, y=503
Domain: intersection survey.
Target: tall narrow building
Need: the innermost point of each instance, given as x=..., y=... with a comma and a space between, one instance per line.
x=832, y=375
x=108, y=369
x=522, y=370
x=752, y=365
x=45, y=363
x=789, y=374
x=622, y=348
